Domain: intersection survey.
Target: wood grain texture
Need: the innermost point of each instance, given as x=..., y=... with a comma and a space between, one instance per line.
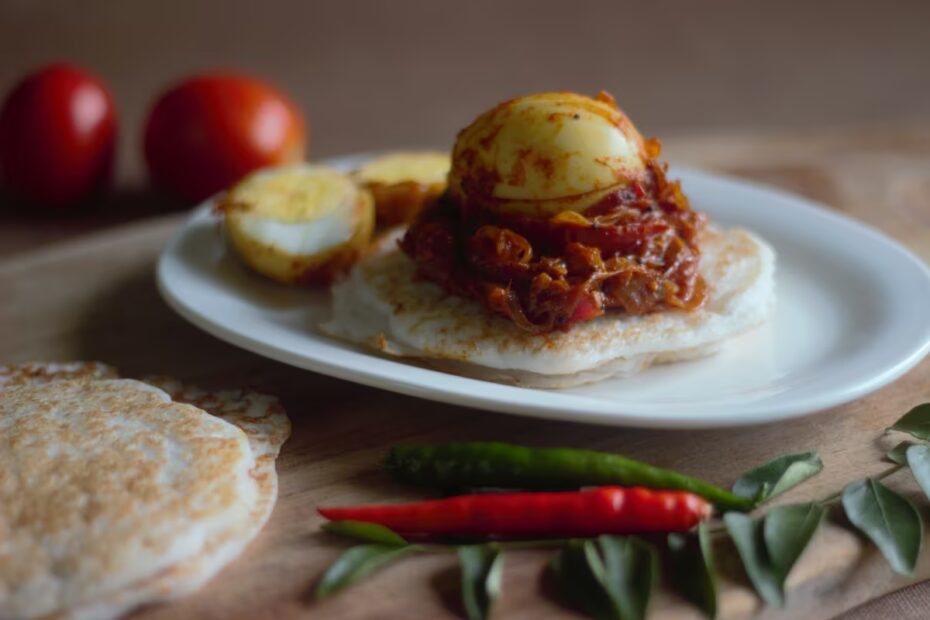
x=95, y=299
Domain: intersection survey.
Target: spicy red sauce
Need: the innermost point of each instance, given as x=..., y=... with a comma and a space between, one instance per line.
x=635, y=251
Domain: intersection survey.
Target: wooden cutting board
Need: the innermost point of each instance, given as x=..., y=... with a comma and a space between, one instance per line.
x=96, y=299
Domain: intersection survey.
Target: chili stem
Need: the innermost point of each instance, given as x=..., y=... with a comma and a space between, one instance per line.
x=835, y=497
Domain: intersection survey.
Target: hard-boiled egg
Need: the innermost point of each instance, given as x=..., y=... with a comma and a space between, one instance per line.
x=403, y=183
x=546, y=153
x=298, y=224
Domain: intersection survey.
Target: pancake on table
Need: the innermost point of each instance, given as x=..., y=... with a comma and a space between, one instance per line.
x=559, y=255
x=43, y=372
x=141, y=462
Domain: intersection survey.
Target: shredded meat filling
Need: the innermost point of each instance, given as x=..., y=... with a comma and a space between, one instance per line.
x=635, y=251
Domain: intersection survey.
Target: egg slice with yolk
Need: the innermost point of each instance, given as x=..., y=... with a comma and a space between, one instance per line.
x=298, y=224
x=404, y=183
x=427, y=167
x=546, y=153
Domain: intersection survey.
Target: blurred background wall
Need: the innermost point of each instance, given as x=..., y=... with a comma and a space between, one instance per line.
x=379, y=74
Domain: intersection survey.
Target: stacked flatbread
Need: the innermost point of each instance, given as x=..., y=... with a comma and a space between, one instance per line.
x=115, y=493
x=383, y=304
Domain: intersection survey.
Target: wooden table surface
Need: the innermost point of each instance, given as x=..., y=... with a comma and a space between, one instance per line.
x=94, y=298
x=411, y=72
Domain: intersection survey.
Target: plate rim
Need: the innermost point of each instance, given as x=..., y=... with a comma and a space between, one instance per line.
x=629, y=417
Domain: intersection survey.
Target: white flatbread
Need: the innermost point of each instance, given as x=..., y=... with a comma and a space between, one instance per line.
x=266, y=426
x=384, y=305
x=264, y=421
x=106, y=483
x=35, y=373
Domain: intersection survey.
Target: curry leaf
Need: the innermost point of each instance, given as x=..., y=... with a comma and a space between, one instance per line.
x=692, y=568
x=787, y=530
x=777, y=476
x=918, y=459
x=888, y=519
x=770, y=547
x=369, y=532
x=610, y=578
x=748, y=537
x=579, y=572
x=356, y=563
x=631, y=569
x=898, y=453
x=482, y=566
x=915, y=422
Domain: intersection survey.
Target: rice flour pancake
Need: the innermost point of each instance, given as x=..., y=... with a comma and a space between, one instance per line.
x=265, y=423
x=383, y=305
x=266, y=426
x=105, y=484
x=43, y=372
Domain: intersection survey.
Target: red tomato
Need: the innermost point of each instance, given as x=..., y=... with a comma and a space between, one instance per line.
x=208, y=132
x=57, y=134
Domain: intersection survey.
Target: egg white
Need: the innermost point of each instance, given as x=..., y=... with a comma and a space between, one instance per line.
x=549, y=152
x=300, y=238
x=298, y=223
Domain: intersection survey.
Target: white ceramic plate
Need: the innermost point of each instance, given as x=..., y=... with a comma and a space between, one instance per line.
x=852, y=316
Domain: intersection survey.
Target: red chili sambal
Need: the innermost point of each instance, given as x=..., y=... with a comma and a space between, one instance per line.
x=634, y=251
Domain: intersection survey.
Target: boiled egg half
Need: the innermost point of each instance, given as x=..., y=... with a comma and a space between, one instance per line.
x=300, y=224
x=547, y=153
x=403, y=183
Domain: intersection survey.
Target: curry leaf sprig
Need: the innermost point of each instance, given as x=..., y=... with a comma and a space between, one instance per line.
x=615, y=576
x=777, y=476
x=770, y=546
x=609, y=576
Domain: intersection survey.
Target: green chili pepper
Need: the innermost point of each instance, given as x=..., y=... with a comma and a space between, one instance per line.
x=502, y=465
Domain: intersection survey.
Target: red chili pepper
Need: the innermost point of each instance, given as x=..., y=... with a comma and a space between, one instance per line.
x=603, y=510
